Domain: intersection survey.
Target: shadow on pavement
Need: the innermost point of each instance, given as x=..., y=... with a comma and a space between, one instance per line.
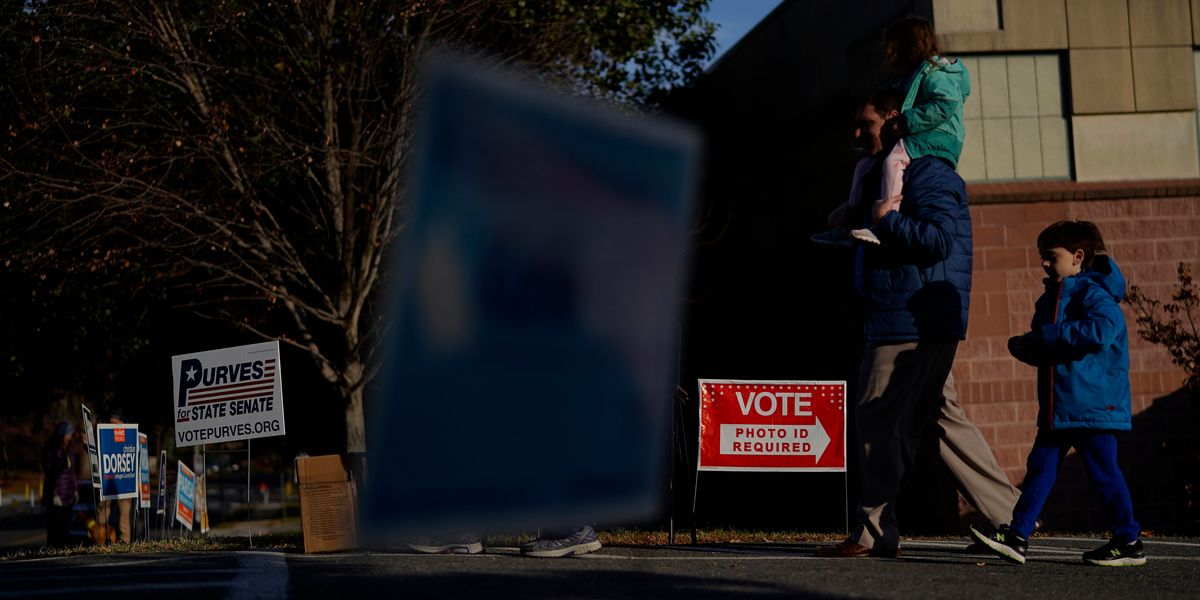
x=600, y=583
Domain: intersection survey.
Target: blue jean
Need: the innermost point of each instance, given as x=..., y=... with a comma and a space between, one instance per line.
x=1099, y=452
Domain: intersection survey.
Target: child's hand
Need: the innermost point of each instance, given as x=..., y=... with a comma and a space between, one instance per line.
x=884, y=206
x=1026, y=349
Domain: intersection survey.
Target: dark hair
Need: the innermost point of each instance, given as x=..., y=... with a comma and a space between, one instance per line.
x=1073, y=235
x=910, y=41
x=885, y=99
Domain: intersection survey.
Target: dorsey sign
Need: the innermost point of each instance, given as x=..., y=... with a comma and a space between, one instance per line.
x=118, y=445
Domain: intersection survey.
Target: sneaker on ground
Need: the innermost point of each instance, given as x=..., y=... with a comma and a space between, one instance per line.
x=467, y=544
x=865, y=236
x=1004, y=543
x=834, y=237
x=978, y=547
x=582, y=541
x=1117, y=554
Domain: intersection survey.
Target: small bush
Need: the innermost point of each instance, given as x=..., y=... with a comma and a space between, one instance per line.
x=1174, y=325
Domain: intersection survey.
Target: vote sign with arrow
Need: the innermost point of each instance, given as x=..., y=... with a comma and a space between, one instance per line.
x=772, y=425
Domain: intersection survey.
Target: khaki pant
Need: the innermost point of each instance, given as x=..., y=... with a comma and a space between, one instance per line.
x=904, y=388
x=124, y=508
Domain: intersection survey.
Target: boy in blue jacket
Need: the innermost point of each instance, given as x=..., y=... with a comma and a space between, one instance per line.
x=1080, y=347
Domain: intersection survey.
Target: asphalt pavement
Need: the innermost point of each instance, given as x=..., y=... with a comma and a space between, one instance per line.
x=926, y=569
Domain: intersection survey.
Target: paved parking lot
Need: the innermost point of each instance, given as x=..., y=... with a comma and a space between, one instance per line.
x=927, y=569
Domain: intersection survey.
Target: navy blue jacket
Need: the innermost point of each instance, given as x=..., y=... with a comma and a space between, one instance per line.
x=1083, y=351
x=917, y=285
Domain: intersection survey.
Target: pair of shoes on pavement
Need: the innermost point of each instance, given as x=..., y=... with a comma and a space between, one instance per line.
x=852, y=549
x=845, y=238
x=581, y=541
x=1005, y=543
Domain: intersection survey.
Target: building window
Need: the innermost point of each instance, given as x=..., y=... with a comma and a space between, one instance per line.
x=968, y=16
x=1016, y=128
x=1196, y=66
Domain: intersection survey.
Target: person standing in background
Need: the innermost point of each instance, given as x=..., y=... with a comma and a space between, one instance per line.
x=59, y=487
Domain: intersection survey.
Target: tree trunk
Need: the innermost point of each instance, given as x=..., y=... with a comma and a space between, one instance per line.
x=356, y=434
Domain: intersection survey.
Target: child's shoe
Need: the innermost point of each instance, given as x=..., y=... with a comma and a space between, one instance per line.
x=1117, y=554
x=839, y=238
x=865, y=236
x=1004, y=542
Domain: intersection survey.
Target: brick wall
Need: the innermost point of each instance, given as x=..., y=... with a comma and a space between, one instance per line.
x=1149, y=228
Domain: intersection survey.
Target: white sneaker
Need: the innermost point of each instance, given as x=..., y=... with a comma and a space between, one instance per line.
x=467, y=544
x=865, y=236
x=582, y=541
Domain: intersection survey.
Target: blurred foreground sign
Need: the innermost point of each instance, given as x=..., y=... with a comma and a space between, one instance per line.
x=535, y=312
x=772, y=425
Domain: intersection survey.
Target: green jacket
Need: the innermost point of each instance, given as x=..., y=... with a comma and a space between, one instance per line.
x=932, y=112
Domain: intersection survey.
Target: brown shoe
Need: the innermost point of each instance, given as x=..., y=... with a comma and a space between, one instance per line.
x=852, y=549
x=844, y=549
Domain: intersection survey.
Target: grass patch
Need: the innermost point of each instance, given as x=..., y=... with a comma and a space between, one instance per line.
x=294, y=542
x=638, y=537
x=286, y=542
x=653, y=537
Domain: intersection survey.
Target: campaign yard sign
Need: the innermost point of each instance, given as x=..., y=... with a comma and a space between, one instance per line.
x=228, y=394
x=118, y=448
x=93, y=452
x=162, y=482
x=200, y=496
x=202, y=501
x=185, y=489
x=144, y=470
x=772, y=425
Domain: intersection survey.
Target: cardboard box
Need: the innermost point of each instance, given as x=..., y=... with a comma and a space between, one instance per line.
x=328, y=504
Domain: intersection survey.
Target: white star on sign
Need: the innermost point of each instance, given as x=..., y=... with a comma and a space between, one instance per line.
x=191, y=373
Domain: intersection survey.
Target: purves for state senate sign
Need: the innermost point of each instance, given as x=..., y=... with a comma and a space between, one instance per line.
x=228, y=394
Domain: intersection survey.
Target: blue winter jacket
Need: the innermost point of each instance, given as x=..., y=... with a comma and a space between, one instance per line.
x=1083, y=369
x=917, y=285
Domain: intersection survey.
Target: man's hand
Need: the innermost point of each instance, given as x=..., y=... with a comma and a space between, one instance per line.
x=884, y=206
x=840, y=215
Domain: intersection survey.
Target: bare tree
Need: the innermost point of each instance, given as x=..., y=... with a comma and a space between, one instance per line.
x=252, y=154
